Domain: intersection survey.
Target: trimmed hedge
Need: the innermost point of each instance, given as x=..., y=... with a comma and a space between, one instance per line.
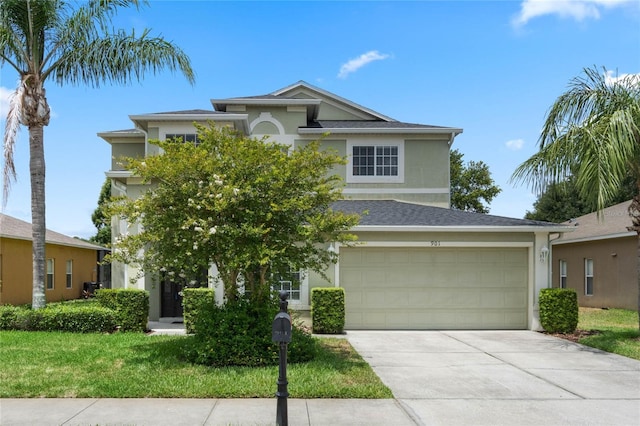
x=559, y=310
x=75, y=318
x=239, y=333
x=131, y=307
x=194, y=301
x=327, y=310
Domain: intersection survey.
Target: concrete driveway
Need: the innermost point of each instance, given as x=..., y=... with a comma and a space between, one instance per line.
x=502, y=378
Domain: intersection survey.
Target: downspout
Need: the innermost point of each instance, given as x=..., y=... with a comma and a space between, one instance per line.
x=450, y=143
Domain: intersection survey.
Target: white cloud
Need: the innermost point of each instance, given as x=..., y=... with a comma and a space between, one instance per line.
x=575, y=9
x=355, y=64
x=515, y=144
x=612, y=78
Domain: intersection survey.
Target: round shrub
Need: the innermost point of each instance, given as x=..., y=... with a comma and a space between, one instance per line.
x=559, y=310
x=238, y=333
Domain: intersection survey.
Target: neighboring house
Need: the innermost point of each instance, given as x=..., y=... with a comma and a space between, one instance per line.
x=420, y=264
x=70, y=262
x=599, y=259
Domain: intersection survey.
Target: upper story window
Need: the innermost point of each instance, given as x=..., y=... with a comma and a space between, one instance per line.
x=375, y=162
x=184, y=137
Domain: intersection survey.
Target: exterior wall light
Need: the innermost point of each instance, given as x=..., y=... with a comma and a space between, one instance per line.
x=544, y=254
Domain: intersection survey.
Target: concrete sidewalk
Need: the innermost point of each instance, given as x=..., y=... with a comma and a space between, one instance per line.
x=189, y=412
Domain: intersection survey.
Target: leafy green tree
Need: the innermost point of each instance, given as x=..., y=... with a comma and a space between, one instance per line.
x=470, y=184
x=51, y=39
x=248, y=206
x=100, y=217
x=592, y=132
x=561, y=201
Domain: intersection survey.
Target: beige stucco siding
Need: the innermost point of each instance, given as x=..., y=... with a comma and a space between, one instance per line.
x=119, y=151
x=268, y=122
x=426, y=164
x=615, y=279
x=16, y=280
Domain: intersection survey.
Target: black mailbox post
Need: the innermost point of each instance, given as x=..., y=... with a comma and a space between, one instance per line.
x=281, y=334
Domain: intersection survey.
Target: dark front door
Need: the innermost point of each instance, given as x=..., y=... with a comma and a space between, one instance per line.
x=171, y=299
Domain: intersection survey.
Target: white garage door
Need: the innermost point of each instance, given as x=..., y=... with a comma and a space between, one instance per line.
x=434, y=288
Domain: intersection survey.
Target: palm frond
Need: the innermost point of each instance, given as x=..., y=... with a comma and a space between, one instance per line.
x=9, y=141
x=592, y=132
x=120, y=58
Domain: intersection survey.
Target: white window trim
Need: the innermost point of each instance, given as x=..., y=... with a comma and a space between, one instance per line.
x=51, y=262
x=375, y=179
x=562, y=273
x=587, y=276
x=69, y=282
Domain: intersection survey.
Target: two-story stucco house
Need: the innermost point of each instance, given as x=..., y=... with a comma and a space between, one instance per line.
x=421, y=265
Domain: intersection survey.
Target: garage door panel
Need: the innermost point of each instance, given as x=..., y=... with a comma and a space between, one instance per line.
x=435, y=288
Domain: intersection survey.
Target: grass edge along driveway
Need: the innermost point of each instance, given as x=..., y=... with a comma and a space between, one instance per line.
x=132, y=365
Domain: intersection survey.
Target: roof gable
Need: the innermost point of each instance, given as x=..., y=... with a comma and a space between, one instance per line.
x=305, y=90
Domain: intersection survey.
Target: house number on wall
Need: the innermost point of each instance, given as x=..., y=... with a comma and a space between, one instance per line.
x=435, y=243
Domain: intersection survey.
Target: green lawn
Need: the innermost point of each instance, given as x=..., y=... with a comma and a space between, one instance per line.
x=131, y=365
x=617, y=330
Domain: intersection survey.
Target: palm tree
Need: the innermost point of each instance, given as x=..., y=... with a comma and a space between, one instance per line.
x=51, y=39
x=592, y=132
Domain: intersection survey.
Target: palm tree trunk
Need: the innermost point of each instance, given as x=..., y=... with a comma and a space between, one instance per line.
x=38, y=221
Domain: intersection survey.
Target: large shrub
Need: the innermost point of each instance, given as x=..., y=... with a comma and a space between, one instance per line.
x=239, y=333
x=194, y=301
x=14, y=317
x=558, y=310
x=131, y=306
x=327, y=310
x=75, y=318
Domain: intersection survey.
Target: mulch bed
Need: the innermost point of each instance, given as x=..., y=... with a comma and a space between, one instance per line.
x=575, y=336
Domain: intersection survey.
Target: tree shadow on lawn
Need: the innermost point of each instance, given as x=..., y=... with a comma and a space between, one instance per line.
x=170, y=352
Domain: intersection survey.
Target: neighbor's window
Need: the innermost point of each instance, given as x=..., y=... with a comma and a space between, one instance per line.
x=69, y=273
x=563, y=274
x=50, y=271
x=290, y=283
x=375, y=162
x=588, y=277
x=185, y=137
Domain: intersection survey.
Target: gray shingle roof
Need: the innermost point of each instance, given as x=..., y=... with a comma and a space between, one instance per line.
x=189, y=112
x=397, y=213
x=613, y=222
x=368, y=124
x=10, y=227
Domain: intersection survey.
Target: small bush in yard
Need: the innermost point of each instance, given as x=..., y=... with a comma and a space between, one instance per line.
x=131, y=306
x=195, y=300
x=558, y=310
x=327, y=310
x=239, y=333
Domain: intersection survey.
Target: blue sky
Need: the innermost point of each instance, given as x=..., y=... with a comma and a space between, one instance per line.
x=491, y=68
